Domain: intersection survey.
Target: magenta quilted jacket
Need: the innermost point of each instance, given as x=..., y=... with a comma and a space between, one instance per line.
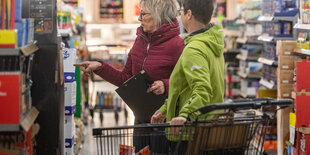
x=156, y=53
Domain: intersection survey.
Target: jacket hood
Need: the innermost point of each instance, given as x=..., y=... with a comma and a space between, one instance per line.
x=165, y=31
x=213, y=38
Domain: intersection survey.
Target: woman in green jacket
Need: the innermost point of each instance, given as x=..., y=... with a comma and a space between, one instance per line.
x=198, y=77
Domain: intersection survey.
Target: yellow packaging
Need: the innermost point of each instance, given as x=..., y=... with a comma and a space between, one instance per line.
x=8, y=37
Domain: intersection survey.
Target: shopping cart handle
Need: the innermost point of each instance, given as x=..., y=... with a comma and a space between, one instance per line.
x=245, y=104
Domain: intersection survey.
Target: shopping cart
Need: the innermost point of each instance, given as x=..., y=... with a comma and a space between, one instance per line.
x=239, y=130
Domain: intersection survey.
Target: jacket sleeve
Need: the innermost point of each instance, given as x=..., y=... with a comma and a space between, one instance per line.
x=197, y=74
x=166, y=83
x=163, y=108
x=114, y=76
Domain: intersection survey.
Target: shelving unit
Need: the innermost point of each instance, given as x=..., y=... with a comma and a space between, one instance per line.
x=302, y=51
x=244, y=58
x=267, y=61
x=268, y=84
x=250, y=76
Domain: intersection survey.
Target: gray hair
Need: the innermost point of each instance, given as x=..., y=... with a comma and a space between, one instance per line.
x=163, y=11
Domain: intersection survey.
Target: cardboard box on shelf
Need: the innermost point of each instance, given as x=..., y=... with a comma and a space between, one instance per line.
x=286, y=62
x=285, y=77
x=302, y=76
x=285, y=90
x=286, y=47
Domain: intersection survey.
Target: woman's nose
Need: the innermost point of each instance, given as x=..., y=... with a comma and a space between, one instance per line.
x=140, y=19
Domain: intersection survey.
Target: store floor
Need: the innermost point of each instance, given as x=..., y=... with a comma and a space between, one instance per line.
x=89, y=146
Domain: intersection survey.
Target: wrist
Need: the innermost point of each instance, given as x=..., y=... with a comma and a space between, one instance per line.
x=99, y=66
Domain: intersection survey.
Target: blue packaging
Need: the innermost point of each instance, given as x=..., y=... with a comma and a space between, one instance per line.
x=18, y=10
x=277, y=27
x=287, y=28
x=20, y=27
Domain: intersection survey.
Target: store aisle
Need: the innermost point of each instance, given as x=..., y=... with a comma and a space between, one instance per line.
x=90, y=147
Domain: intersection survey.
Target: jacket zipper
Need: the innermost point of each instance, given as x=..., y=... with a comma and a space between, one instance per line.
x=147, y=50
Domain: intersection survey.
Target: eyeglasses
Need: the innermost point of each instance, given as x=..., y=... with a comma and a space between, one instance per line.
x=143, y=14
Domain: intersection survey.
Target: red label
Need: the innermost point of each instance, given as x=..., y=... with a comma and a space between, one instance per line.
x=9, y=98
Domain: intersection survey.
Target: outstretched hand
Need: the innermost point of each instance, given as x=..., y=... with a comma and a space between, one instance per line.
x=89, y=66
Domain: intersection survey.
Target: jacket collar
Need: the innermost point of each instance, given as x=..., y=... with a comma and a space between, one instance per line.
x=164, y=31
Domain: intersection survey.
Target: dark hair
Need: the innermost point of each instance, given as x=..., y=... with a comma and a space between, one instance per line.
x=202, y=10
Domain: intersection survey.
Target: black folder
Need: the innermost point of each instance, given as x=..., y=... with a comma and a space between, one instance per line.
x=134, y=94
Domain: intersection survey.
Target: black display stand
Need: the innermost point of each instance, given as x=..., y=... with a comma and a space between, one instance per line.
x=47, y=90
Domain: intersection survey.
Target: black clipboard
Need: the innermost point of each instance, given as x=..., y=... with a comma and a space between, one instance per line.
x=134, y=94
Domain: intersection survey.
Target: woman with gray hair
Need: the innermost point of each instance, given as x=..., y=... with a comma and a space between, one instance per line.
x=156, y=50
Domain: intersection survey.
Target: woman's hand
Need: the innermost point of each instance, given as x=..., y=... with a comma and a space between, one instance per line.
x=177, y=121
x=158, y=117
x=89, y=66
x=158, y=87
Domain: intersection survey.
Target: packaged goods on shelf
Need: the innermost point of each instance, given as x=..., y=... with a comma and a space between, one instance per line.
x=303, y=41
x=69, y=57
x=269, y=73
x=286, y=8
x=269, y=52
x=286, y=47
x=8, y=39
x=302, y=76
x=70, y=98
x=10, y=97
x=305, y=11
x=69, y=127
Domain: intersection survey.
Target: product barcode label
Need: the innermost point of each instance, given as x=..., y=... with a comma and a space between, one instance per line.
x=286, y=95
x=285, y=67
x=285, y=81
x=287, y=53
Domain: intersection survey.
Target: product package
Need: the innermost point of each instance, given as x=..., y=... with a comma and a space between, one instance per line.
x=126, y=150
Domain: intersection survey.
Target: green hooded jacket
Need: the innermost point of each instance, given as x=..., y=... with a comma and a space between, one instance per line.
x=198, y=77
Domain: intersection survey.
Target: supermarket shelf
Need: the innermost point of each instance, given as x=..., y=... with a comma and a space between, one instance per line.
x=243, y=75
x=241, y=40
x=9, y=51
x=265, y=18
x=9, y=127
x=65, y=32
x=276, y=18
x=288, y=18
x=268, y=84
x=265, y=38
x=244, y=58
x=26, y=123
x=234, y=33
x=302, y=51
x=302, y=26
x=245, y=95
x=232, y=51
x=267, y=61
